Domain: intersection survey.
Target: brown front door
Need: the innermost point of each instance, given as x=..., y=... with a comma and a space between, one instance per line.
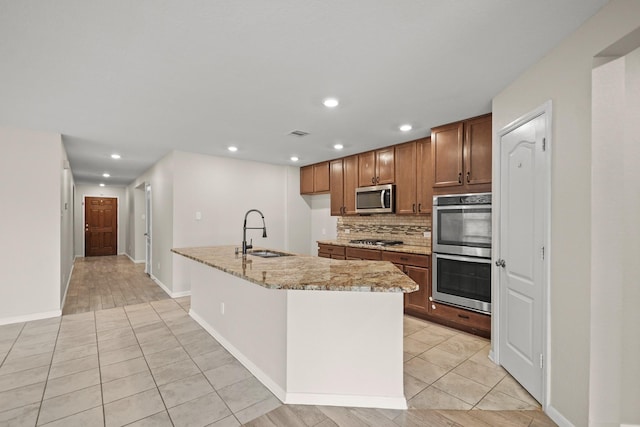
x=101, y=226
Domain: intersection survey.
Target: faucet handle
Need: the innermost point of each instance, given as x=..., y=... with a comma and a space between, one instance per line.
x=250, y=245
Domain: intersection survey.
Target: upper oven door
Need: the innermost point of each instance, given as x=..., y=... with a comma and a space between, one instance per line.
x=462, y=230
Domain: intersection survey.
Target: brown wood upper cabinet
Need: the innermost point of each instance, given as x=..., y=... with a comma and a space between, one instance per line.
x=413, y=179
x=314, y=179
x=376, y=167
x=461, y=156
x=343, y=179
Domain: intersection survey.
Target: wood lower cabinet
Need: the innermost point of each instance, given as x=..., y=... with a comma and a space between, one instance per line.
x=470, y=321
x=314, y=179
x=418, y=267
x=461, y=156
x=364, y=254
x=343, y=180
x=376, y=167
x=331, y=251
x=414, y=189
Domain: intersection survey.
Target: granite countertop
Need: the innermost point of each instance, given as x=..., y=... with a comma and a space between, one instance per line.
x=303, y=272
x=419, y=250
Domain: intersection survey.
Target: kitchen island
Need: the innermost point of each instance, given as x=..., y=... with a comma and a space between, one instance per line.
x=312, y=330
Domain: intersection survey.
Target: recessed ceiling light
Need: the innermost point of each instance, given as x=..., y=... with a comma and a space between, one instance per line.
x=106, y=175
x=115, y=156
x=330, y=102
x=338, y=146
x=232, y=148
x=294, y=159
x=406, y=128
x=101, y=185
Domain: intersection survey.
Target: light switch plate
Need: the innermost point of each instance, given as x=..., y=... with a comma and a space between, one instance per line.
x=198, y=216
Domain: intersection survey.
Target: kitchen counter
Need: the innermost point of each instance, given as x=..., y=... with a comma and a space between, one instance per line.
x=420, y=250
x=327, y=347
x=301, y=272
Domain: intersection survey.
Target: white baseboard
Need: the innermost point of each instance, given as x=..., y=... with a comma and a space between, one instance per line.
x=557, y=417
x=64, y=298
x=301, y=398
x=257, y=372
x=30, y=317
x=166, y=289
x=180, y=294
x=135, y=261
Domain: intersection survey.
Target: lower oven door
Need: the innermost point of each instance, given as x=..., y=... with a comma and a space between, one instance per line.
x=462, y=281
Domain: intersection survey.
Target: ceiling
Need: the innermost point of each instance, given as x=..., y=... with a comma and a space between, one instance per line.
x=143, y=78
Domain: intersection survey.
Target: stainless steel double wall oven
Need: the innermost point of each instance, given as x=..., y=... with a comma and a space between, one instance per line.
x=462, y=251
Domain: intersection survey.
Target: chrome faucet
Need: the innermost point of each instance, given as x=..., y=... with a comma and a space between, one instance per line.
x=245, y=228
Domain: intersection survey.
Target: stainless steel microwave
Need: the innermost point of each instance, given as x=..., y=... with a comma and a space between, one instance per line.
x=375, y=199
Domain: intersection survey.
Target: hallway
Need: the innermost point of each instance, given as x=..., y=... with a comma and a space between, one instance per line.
x=99, y=283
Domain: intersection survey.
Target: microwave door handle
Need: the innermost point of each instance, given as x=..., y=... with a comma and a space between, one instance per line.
x=382, y=198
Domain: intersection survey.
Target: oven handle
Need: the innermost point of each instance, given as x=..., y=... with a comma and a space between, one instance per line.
x=459, y=207
x=462, y=258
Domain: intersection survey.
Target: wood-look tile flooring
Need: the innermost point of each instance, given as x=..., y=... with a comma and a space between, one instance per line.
x=98, y=283
x=150, y=364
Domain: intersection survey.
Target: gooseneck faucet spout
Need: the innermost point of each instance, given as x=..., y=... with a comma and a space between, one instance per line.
x=246, y=246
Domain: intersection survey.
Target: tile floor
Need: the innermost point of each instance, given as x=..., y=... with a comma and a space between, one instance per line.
x=150, y=364
x=98, y=283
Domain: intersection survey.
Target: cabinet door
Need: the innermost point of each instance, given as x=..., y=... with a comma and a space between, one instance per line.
x=366, y=169
x=446, y=155
x=350, y=177
x=306, y=180
x=336, y=185
x=424, y=184
x=385, y=166
x=419, y=300
x=321, y=177
x=477, y=155
x=405, y=158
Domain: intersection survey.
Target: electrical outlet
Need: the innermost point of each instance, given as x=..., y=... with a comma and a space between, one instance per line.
x=158, y=266
x=222, y=308
x=324, y=231
x=427, y=234
x=198, y=216
x=347, y=231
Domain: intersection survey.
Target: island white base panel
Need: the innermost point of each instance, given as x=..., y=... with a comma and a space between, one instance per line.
x=308, y=347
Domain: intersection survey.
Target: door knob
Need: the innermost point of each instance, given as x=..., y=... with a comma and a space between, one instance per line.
x=501, y=263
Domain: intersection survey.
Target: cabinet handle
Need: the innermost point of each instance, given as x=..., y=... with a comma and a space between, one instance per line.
x=414, y=208
x=463, y=316
x=377, y=179
x=459, y=177
x=403, y=258
x=468, y=174
x=430, y=298
x=419, y=207
x=330, y=249
x=433, y=306
x=373, y=180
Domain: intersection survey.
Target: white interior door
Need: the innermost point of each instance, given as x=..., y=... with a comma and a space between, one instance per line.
x=520, y=261
x=147, y=231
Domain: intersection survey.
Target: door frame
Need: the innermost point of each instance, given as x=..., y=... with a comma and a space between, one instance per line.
x=148, y=229
x=494, y=354
x=84, y=219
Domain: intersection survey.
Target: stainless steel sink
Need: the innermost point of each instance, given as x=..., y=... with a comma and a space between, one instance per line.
x=268, y=254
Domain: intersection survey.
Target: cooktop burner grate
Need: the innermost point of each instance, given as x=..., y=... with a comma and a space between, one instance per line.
x=376, y=242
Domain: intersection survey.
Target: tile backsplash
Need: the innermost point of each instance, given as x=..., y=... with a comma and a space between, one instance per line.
x=409, y=229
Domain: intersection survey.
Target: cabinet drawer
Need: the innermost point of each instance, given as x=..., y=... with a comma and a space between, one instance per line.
x=368, y=254
x=407, y=259
x=331, y=249
x=462, y=317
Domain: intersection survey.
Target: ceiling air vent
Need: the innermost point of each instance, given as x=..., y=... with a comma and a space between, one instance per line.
x=298, y=133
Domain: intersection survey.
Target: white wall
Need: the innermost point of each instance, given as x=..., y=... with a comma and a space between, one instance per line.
x=615, y=338
x=82, y=191
x=160, y=177
x=223, y=190
x=323, y=225
x=30, y=261
x=564, y=76
x=67, y=216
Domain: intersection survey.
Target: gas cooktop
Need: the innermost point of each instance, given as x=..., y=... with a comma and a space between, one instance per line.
x=376, y=242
